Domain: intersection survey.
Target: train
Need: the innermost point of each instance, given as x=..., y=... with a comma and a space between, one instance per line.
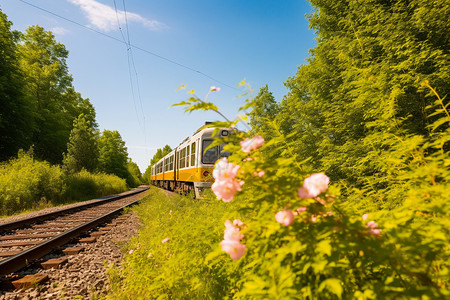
x=188, y=167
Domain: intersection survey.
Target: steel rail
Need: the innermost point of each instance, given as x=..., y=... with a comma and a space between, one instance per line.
x=24, y=258
x=35, y=219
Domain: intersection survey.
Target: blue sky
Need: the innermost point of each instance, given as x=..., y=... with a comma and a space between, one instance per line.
x=262, y=41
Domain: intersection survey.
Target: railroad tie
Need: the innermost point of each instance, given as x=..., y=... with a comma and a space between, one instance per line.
x=30, y=281
x=54, y=263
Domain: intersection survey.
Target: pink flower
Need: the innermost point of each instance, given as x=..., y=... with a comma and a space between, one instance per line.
x=373, y=228
x=131, y=251
x=364, y=217
x=254, y=143
x=232, y=234
x=248, y=159
x=238, y=223
x=225, y=189
x=285, y=217
x=313, y=218
x=170, y=212
x=372, y=224
x=213, y=88
x=165, y=240
x=234, y=248
x=301, y=209
x=374, y=231
x=327, y=214
x=225, y=170
x=314, y=185
x=149, y=255
x=259, y=174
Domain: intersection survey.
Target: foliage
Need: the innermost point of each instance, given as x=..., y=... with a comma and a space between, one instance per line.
x=82, y=149
x=330, y=250
x=357, y=109
x=24, y=182
x=85, y=185
x=48, y=89
x=27, y=183
x=370, y=110
x=264, y=111
x=174, y=269
x=113, y=154
x=15, y=113
x=135, y=177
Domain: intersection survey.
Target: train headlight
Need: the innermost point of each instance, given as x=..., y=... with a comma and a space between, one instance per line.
x=206, y=173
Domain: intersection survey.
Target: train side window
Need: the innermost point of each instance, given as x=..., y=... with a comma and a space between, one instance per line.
x=193, y=154
x=187, y=156
x=183, y=160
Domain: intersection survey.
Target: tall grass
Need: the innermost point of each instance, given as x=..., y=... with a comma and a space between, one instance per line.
x=177, y=268
x=26, y=184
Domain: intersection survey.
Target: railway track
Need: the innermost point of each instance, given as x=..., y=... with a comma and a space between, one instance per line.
x=26, y=240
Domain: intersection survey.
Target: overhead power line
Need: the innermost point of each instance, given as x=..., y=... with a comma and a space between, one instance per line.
x=134, y=46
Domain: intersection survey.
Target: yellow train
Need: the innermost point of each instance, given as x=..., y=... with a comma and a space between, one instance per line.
x=189, y=167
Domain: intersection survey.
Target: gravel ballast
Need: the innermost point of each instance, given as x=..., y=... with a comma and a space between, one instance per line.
x=84, y=276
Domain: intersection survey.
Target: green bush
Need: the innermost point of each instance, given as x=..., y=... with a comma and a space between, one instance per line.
x=85, y=185
x=26, y=183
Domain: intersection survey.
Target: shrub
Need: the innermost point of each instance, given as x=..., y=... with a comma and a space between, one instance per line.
x=24, y=182
x=85, y=185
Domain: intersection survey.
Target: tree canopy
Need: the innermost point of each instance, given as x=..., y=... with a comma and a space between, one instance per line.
x=15, y=111
x=82, y=149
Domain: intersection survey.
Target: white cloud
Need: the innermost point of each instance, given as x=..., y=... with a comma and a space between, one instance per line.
x=59, y=30
x=104, y=17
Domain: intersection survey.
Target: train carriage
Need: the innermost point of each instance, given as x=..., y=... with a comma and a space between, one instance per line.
x=188, y=166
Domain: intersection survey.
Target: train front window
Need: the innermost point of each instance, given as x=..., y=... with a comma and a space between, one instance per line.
x=210, y=156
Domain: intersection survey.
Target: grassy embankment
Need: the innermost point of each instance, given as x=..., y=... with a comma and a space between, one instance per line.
x=27, y=184
x=179, y=267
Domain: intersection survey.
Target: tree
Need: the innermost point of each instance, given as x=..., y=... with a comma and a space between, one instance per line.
x=49, y=89
x=264, y=111
x=82, y=149
x=160, y=153
x=113, y=156
x=358, y=107
x=135, y=177
x=15, y=111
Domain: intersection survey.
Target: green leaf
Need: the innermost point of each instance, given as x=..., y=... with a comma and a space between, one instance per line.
x=181, y=87
x=241, y=83
x=333, y=285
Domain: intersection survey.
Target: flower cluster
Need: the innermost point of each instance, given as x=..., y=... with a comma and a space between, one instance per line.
x=225, y=185
x=285, y=217
x=232, y=239
x=254, y=143
x=372, y=226
x=314, y=185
